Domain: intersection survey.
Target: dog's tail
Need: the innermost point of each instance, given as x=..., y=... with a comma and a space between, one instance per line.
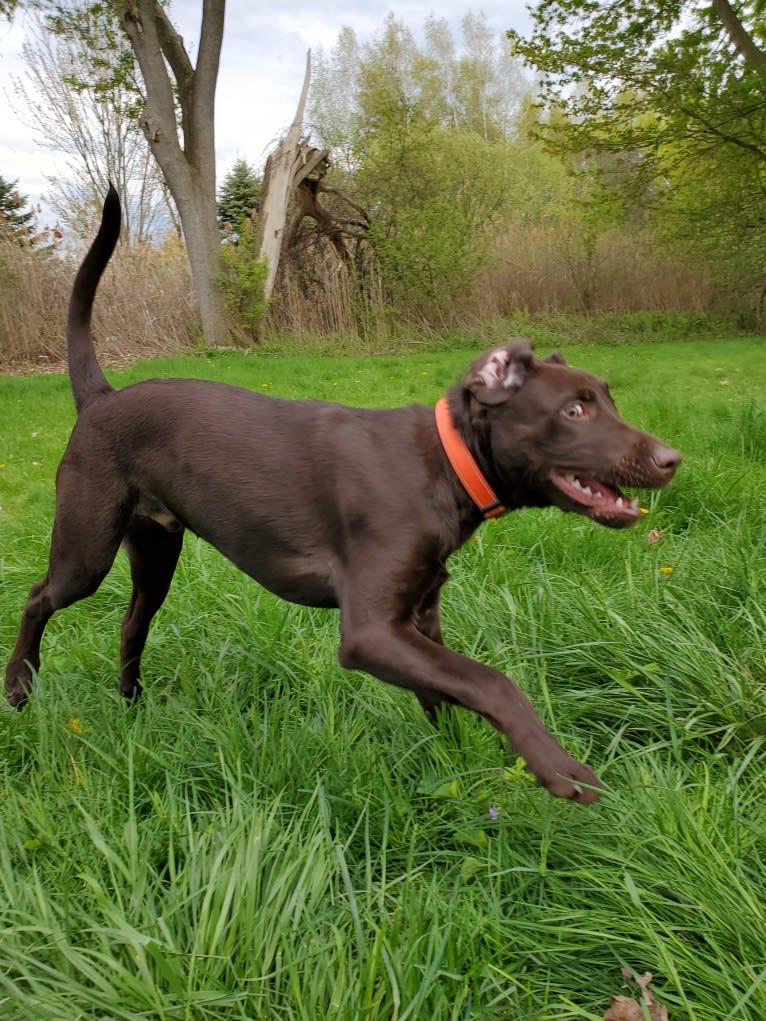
x=85, y=375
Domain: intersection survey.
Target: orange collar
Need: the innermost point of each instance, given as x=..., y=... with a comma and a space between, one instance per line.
x=464, y=465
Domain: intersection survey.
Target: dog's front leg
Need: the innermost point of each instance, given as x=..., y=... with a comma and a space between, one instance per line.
x=428, y=622
x=398, y=653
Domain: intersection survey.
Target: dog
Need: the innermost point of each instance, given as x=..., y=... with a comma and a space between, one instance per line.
x=331, y=506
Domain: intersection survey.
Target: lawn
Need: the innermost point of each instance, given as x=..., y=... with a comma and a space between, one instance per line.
x=267, y=836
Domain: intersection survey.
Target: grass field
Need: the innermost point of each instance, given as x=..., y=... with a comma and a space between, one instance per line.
x=268, y=837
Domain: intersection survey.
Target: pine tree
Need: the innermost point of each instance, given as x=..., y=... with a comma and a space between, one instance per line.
x=239, y=194
x=16, y=222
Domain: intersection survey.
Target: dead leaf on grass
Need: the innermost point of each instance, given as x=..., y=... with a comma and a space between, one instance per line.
x=626, y=1008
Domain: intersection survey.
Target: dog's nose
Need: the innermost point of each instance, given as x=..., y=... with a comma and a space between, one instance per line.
x=666, y=458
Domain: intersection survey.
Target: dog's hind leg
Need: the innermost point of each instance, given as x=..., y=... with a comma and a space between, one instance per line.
x=153, y=553
x=90, y=521
x=65, y=583
x=25, y=658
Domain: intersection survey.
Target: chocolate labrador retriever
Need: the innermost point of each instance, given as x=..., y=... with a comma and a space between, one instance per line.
x=331, y=506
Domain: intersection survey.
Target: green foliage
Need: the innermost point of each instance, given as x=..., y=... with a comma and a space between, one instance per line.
x=265, y=837
x=622, y=328
x=239, y=195
x=438, y=195
x=637, y=73
x=474, y=89
x=424, y=137
x=107, y=66
x=16, y=222
x=244, y=277
x=666, y=89
x=714, y=214
x=654, y=153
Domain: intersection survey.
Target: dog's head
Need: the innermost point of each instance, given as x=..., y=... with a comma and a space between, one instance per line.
x=555, y=432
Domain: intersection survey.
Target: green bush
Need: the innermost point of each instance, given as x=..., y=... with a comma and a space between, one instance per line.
x=244, y=277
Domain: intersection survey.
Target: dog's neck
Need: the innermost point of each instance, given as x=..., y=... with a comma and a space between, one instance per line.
x=464, y=464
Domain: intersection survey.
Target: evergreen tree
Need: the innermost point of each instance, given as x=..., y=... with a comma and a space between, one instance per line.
x=239, y=194
x=15, y=221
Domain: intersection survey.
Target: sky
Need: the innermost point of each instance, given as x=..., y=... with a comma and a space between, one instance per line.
x=263, y=62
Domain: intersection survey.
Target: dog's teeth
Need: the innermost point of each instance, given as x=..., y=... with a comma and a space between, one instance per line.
x=620, y=502
x=634, y=504
x=572, y=479
x=587, y=490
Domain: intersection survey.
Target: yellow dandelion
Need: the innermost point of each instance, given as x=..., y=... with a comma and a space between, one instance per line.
x=666, y=570
x=75, y=726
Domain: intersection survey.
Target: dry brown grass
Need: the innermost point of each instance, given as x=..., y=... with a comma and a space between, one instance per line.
x=547, y=269
x=146, y=305
x=330, y=300
x=531, y=269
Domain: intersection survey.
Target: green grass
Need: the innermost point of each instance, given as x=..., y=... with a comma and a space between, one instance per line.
x=267, y=836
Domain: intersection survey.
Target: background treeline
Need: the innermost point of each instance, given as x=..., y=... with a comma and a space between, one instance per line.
x=458, y=193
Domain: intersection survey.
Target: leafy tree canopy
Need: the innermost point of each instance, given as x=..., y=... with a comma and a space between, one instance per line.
x=427, y=135
x=639, y=74
x=360, y=90
x=667, y=101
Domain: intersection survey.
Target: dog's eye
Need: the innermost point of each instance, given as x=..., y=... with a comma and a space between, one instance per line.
x=574, y=410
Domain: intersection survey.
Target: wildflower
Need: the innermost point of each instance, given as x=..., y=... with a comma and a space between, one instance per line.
x=644, y=510
x=75, y=726
x=492, y=812
x=666, y=570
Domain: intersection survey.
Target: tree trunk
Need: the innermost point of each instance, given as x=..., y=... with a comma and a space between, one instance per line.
x=189, y=168
x=740, y=37
x=277, y=186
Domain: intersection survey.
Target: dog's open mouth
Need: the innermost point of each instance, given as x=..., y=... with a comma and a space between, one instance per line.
x=605, y=504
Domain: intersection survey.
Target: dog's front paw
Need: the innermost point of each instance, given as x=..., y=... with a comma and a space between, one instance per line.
x=573, y=780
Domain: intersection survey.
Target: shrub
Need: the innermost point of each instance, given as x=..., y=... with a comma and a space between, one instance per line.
x=244, y=277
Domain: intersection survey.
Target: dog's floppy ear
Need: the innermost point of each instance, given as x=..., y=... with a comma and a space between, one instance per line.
x=499, y=373
x=554, y=358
